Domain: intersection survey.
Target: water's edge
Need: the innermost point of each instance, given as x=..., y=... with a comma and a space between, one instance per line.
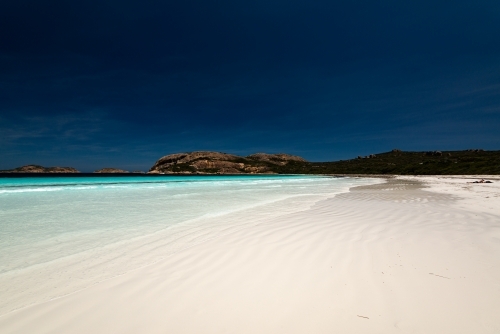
x=68, y=261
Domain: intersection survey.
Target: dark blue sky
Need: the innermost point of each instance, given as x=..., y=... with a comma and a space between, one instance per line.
x=95, y=84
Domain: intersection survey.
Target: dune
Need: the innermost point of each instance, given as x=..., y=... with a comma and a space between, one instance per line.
x=410, y=255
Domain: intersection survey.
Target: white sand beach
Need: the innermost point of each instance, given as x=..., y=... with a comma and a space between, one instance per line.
x=412, y=255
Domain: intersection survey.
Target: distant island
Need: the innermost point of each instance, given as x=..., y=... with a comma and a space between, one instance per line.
x=395, y=162
x=110, y=170
x=41, y=169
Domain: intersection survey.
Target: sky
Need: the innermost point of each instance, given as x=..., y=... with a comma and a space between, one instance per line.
x=93, y=84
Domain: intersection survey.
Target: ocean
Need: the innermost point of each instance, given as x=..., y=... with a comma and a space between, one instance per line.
x=59, y=235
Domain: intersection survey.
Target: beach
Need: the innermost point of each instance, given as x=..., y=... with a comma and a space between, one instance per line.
x=401, y=255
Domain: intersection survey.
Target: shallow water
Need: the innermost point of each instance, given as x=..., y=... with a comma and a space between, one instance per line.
x=55, y=228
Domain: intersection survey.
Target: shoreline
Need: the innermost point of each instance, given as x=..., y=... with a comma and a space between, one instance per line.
x=64, y=275
x=409, y=254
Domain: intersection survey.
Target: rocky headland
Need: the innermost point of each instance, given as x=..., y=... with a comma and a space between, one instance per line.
x=203, y=162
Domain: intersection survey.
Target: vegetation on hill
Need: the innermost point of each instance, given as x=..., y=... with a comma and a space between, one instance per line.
x=466, y=162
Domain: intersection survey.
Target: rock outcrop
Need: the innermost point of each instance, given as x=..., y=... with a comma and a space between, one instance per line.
x=203, y=162
x=41, y=169
x=110, y=170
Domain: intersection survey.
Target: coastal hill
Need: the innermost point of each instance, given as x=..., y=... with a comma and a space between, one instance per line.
x=397, y=162
x=222, y=163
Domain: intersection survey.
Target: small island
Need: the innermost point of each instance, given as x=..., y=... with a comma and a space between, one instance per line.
x=110, y=171
x=41, y=169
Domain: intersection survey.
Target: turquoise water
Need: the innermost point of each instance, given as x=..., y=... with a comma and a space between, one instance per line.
x=44, y=218
x=53, y=229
